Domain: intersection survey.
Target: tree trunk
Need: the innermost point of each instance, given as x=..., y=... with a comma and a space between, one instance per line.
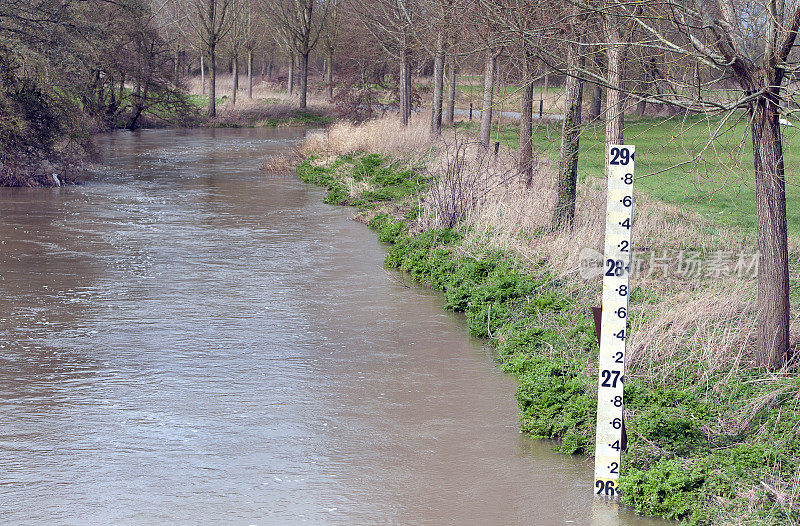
x=136, y=105
x=138, y=108
x=303, y=58
x=212, y=82
x=773, y=263
x=543, y=94
x=250, y=74
x=409, y=87
x=488, y=93
x=202, y=74
x=176, y=66
x=122, y=89
x=113, y=104
x=526, y=122
x=595, y=104
x=329, y=74
x=615, y=112
x=570, y=141
x=402, y=92
x=235, y=79
x=451, y=94
x=290, y=80
x=652, y=70
x=405, y=90
x=641, y=105
x=438, y=86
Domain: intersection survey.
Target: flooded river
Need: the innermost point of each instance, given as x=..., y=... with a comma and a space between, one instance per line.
x=184, y=340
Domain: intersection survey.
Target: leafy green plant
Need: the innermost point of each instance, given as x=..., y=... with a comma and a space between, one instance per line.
x=671, y=489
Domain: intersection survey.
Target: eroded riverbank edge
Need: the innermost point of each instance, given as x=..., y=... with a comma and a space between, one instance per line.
x=542, y=331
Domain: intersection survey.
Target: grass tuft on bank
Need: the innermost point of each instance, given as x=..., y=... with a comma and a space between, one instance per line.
x=713, y=438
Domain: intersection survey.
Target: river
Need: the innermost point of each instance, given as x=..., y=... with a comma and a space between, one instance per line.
x=185, y=340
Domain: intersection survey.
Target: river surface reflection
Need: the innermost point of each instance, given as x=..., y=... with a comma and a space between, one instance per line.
x=184, y=340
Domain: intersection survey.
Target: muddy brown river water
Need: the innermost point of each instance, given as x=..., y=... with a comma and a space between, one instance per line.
x=186, y=341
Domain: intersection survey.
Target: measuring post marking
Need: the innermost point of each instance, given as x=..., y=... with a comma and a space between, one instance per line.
x=613, y=334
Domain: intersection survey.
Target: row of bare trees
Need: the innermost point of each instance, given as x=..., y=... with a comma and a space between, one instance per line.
x=288, y=29
x=731, y=57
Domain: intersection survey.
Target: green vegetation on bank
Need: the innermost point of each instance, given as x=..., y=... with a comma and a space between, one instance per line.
x=719, y=184
x=706, y=446
x=298, y=118
x=379, y=181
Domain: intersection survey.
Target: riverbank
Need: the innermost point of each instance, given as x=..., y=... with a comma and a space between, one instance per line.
x=712, y=437
x=47, y=152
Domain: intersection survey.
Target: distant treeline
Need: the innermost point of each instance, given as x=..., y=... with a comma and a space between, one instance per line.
x=69, y=68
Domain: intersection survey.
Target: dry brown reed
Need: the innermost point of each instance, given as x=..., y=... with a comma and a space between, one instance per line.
x=281, y=165
x=385, y=135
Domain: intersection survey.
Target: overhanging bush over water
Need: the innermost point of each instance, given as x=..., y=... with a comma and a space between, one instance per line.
x=712, y=438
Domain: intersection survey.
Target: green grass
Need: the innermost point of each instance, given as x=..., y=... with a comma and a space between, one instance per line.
x=201, y=101
x=475, y=91
x=718, y=184
x=385, y=179
x=299, y=118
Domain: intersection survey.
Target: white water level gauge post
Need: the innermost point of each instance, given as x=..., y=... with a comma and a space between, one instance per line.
x=614, y=333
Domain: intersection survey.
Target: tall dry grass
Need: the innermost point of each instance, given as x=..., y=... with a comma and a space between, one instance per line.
x=385, y=135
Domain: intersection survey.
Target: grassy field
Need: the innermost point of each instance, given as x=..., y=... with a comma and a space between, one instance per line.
x=675, y=163
x=469, y=89
x=474, y=91
x=201, y=101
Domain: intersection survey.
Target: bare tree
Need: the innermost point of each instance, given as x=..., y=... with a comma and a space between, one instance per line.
x=303, y=26
x=571, y=128
x=439, y=13
x=254, y=37
x=391, y=24
x=490, y=70
x=330, y=41
x=210, y=22
x=741, y=42
x=238, y=40
x=734, y=38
